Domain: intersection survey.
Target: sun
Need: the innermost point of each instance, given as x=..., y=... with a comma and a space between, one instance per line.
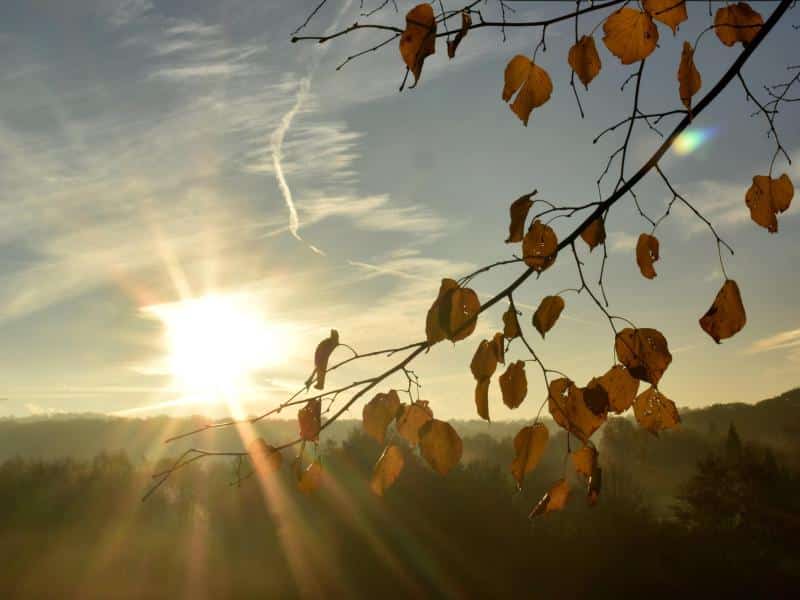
x=216, y=343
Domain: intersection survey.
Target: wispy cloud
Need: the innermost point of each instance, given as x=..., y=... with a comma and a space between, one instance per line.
x=779, y=341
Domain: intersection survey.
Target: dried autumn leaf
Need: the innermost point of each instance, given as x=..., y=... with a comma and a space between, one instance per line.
x=670, y=12
x=595, y=483
x=265, y=458
x=452, y=45
x=620, y=387
x=510, y=324
x=387, y=469
x=554, y=499
x=514, y=384
x=584, y=59
x=539, y=246
x=411, y=418
x=547, y=313
x=321, y=356
x=689, y=80
x=647, y=254
x=310, y=420
x=482, y=398
x=529, y=445
x=379, y=412
x=655, y=412
x=453, y=314
x=440, y=445
x=768, y=197
x=594, y=234
x=418, y=41
x=484, y=361
x=630, y=35
x=311, y=478
x=737, y=23
x=569, y=410
x=533, y=83
x=584, y=460
x=596, y=398
x=644, y=352
x=726, y=317
x=498, y=343
x=518, y=212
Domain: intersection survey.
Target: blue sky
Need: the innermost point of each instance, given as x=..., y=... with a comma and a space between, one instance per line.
x=142, y=144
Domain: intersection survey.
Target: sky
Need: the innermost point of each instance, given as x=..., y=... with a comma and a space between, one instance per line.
x=155, y=153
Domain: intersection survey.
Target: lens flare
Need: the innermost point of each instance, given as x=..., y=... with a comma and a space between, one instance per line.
x=689, y=141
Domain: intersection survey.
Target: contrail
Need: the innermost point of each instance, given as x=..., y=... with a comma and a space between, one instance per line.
x=276, y=142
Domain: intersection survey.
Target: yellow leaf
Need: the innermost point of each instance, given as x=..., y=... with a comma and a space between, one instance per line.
x=529, y=445
x=620, y=387
x=726, y=317
x=569, y=409
x=547, y=313
x=265, y=458
x=411, y=418
x=594, y=234
x=510, y=324
x=647, y=254
x=311, y=478
x=466, y=23
x=584, y=59
x=655, y=412
x=514, y=384
x=630, y=35
x=644, y=352
x=518, y=212
x=453, y=314
x=418, y=41
x=554, y=499
x=310, y=419
x=387, y=469
x=321, y=355
x=379, y=412
x=689, y=80
x=585, y=460
x=768, y=197
x=482, y=398
x=484, y=362
x=539, y=246
x=737, y=23
x=533, y=83
x=440, y=445
x=670, y=12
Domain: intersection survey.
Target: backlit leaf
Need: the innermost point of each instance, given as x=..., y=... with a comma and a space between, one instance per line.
x=466, y=23
x=655, y=412
x=440, y=445
x=309, y=418
x=498, y=343
x=594, y=234
x=518, y=212
x=584, y=59
x=514, y=384
x=379, y=412
x=484, y=361
x=311, y=478
x=453, y=314
x=387, y=469
x=533, y=83
x=529, y=445
x=482, y=398
x=510, y=324
x=418, y=41
x=689, y=80
x=621, y=388
x=539, y=246
x=768, y=197
x=726, y=317
x=321, y=355
x=647, y=254
x=737, y=23
x=584, y=460
x=569, y=409
x=630, y=35
x=644, y=352
x=670, y=12
x=547, y=313
x=411, y=418
x=554, y=499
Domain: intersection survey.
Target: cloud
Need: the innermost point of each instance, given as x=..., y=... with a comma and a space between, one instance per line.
x=619, y=241
x=779, y=341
